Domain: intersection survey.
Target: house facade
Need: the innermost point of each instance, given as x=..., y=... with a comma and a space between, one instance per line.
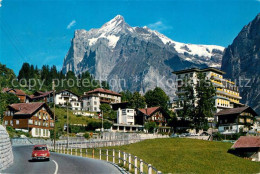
x=92, y=100
x=37, y=96
x=64, y=96
x=153, y=114
x=18, y=92
x=126, y=116
x=35, y=118
x=76, y=105
x=248, y=146
x=227, y=93
x=235, y=120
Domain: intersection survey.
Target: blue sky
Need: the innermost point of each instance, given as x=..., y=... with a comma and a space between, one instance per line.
x=40, y=31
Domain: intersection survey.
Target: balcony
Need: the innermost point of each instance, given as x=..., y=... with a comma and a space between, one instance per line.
x=218, y=84
x=229, y=131
x=216, y=77
x=65, y=95
x=228, y=94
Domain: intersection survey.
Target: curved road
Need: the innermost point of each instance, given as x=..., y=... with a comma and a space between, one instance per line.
x=59, y=163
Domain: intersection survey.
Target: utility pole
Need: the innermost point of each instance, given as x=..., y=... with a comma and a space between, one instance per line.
x=102, y=126
x=53, y=97
x=67, y=126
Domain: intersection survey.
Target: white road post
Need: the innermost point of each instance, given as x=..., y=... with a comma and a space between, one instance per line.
x=113, y=155
x=100, y=157
x=71, y=151
x=149, y=169
x=81, y=152
x=124, y=155
x=141, y=166
x=129, y=162
x=107, y=154
x=76, y=151
x=119, y=160
x=135, y=165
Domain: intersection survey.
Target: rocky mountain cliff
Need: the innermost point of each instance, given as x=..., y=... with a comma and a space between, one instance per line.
x=241, y=61
x=135, y=58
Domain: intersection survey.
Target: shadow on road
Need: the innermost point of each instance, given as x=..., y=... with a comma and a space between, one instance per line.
x=33, y=161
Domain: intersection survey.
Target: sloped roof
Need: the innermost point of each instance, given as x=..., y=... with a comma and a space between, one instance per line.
x=16, y=91
x=101, y=90
x=247, y=142
x=149, y=111
x=235, y=111
x=42, y=94
x=27, y=108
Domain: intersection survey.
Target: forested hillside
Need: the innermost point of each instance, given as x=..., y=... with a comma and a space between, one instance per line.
x=33, y=79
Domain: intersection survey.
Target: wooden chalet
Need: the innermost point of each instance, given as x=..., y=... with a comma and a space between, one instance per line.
x=18, y=92
x=248, y=147
x=234, y=120
x=153, y=114
x=35, y=118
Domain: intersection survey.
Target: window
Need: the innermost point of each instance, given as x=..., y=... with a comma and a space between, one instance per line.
x=36, y=131
x=6, y=122
x=17, y=122
x=95, y=103
x=11, y=122
x=95, y=108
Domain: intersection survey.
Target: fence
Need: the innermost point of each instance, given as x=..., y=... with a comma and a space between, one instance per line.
x=132, y=163
x=29, y=141
x=6, y=153
x=108, y=139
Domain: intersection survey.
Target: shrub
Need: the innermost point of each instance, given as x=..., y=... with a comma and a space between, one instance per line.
x=150, y=126
x=86, y=135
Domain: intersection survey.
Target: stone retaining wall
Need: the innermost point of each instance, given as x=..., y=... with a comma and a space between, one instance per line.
x=6, y=153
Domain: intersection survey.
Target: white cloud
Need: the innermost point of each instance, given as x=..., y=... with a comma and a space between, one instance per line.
x=258, y=0
x=0, y=3
x=71, y=24
x=159, y=26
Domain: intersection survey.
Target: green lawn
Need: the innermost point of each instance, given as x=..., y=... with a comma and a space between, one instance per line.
x=61, y=114
x=181, y=155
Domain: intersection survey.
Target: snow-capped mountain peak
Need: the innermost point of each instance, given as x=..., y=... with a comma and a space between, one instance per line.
x=115, y=26
x=119, y=51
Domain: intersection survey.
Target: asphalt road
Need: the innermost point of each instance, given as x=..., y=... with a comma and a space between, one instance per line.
x=59, y=163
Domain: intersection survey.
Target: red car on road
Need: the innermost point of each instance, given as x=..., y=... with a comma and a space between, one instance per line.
x=40, y=152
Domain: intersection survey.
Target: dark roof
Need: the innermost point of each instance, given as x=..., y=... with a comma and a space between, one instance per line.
x=28, y=108
x=198, y=70
x=233, y=111
x=101, y=90
x=16, y=91
x=149, y=111
x=40, y=94
x=122, y=105
x=247, y=142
